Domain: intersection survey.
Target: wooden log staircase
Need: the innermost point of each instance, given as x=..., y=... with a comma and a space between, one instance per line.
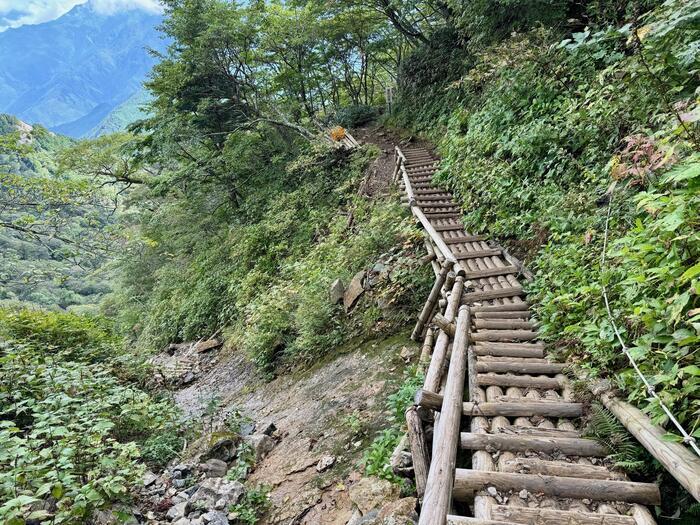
x=506, y=443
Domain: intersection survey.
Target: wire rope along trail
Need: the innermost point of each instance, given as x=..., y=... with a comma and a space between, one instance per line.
x=529, y=462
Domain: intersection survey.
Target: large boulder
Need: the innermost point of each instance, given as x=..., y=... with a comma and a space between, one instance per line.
x=212, y=490
x=262, y=445
x=214, y=468
x=215, y=517
x=336, y=292
x=373, y=493
x=354, y=290
x=177, y=511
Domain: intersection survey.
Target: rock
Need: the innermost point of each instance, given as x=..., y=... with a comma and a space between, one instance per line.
x=210, y=344
x=189, y=377
x=211, y=490
x=325, y=463
x=523, y=494
x=262, y=445
x=215, y=517
x=182, y=470
x=179, y=483
x=370, y=518
x=336, y=292
x=492, y=491
x=247, y=428
x=400, y=512
x=223, y=446
x=177, y=511
x=268, y=428
x=149, y=478
x=354, y=290
x=118, y=515
x=372, y=493
x=182, y=521
x=408, y=353
x=214, y=468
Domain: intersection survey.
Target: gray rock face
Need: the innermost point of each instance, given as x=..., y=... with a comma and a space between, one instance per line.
x=223, y=449
x=215, y=517
x=325, y=463
x=177, y=511
x=214, y=468
x=354, y=290
x=336, y=292
x=262, y=445
x=373, y=493
x=212, y=490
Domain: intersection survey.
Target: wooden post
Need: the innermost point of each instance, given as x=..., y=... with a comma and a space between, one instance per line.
x=429, y=305
x=434, y=373
x=438, y=493
x=426, y=350
x=443, y=324
x=419, y=450
x=680, y=462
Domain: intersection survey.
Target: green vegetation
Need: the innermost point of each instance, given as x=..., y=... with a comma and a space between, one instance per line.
x=74, y=417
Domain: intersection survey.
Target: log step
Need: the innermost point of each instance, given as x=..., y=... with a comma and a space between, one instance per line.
x=509, y=349
x=512, y=307
x=467, y=482
x=432, y=192
x=521, y=381
x=441, y=215
x=558, y=468
x=563, y=445
x=463, y=520
x=519, y=368
x=511, y=291
x=528, y=516
x=491, y=272
x=503, y=324
x=504, y=335
x=503, y=315
x=489, y=252
x=448, y=227
x=518, y=408
x=465, y=238
x=429, y=198
x=537, y=431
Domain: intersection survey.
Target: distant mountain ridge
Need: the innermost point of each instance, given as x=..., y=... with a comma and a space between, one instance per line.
x=71, y=73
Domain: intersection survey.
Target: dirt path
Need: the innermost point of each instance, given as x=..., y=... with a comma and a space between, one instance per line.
x=333, y=409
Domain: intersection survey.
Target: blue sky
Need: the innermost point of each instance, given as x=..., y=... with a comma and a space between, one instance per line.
x=14, y=13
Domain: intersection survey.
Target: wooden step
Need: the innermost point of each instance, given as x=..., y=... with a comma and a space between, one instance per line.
x=511, y=307
x=536, y=431
x=522, y=407
x=491, y=272
x=504, y=335
x=441, y=215
x=549, y=445
x=432, y=192
x=467, y=482
x=485, y=295
x=531, y=465
x=463, y=520
x=442, y=208
x=465, y=238
x=509, y=349
x=528, y=516
x=524, y=314
x=448, y=227
x=519, y=368
x=430, y=198
x=521, y=381
x=489, y=252
x=503, y=324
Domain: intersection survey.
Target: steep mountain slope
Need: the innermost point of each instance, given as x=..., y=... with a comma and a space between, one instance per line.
x=70, y=73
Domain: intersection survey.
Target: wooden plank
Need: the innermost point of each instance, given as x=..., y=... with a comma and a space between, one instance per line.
x=496, y=349
x=521, y=381
x=505, y=335
x=524, y=408
x=439, y=488
x=448, y=227
x=512, y=291
x=502, y=315
x=510, y=307
x=429, y=305
x=443, y=215
x=469, y=481
x=465, y=238
x=679, y=461
x=559, y=468
x=491, y=272
x=460, y=520
x=521, y=367
x=528, y=516
x=490, y=252
x=538, y=431
x=419, y=450
x=517, y=443
x=502, y=324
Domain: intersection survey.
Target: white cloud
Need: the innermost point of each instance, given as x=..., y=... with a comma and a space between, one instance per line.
x=15, y=13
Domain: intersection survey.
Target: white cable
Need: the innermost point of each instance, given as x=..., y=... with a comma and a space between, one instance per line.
x=687, y=438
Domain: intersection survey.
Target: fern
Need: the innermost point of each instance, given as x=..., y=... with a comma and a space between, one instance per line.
x=626, y=453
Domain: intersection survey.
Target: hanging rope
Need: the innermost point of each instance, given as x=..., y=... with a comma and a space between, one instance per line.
x=687, y=438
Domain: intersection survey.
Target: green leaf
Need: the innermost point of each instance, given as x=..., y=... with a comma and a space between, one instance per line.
x=690, y=273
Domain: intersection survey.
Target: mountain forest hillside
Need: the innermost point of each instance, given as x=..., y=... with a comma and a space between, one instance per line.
x=71, y=73
x=170, y=290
